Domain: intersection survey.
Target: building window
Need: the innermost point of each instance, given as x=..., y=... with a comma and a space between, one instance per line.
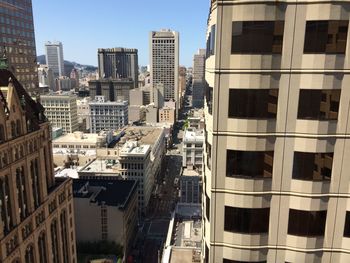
x=5, y=205
x=29, y=255
x=54, y=242
x=253, y=103
x=247, y=220
x=211, y=41
x=64, y=236
x=347, y=225
x=249, y=164
x=326, y=36
x=312, y=166
x=318, y=104
x=306, y=223
x=207, y=206
x=42, y=248
x=257, y=37
x=209, y=99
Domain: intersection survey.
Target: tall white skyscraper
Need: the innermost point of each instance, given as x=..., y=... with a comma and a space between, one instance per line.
x=164, y=57
x=54, y=57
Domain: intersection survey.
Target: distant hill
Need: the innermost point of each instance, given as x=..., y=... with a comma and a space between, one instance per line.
x=68, y=65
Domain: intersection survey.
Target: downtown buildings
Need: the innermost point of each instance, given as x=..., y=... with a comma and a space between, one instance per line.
x=164, y=59
x=37, y=221
x=17, y=37
x=276, y=185
x=118, y=63
x=54, y=58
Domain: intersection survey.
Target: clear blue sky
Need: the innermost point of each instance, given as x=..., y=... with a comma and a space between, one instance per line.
x=85, y=26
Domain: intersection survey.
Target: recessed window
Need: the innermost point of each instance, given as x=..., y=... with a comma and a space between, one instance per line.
x=257, y=37
x=312, y=166
x=326, y=36
x=247, y=220
x=211, y=41
x=253, y=103
x=319, y=104
x=209, y=99
x=249, y=164
x=306, y=223
x=347, y=225
x=235, y=261
x=207, y=206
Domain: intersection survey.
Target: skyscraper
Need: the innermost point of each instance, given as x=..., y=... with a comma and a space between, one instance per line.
x=17, y=36
x=118, y=63
x=54, y=57
x=276, y=185
x=164, y=57
x=37, y=220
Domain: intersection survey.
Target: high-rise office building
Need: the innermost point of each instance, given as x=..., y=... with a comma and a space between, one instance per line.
x=37, y=220
x=54, y=58
x=199, y=65
x=17, y=37
x=276, y=185
x=164, y=57
x=118, y=63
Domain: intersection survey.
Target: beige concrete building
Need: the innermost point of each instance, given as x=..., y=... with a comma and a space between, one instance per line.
x=61, y=110
x=167, y=115
x=276, y=185
x=106, y=210
x=83, y=111
x=192, y=149
x=37, y=222
x=78, y=148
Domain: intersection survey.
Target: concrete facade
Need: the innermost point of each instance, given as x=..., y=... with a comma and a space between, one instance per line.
x=37, y=221
x=192, y=150
x=107, y=115
x=54, y=58
x=61, y=110
x=301, y=219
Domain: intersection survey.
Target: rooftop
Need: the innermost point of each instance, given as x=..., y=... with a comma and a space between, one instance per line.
x=68, y=172
x=101, y=167
x=188, y=172
x=109, y=192
x=80, y=137
x=193, y=135
x=133, y=148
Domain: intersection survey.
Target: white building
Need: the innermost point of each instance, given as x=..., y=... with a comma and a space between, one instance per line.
x=107, y=115
x=61, y=110
x=164, y=57
x=45, y=76
x=192, y=150
x=54, y=57
x=83, y=110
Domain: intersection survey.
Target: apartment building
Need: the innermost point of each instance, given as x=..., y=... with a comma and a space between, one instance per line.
x=276, y=185
x=107, y=115
x=61, y=110
x=192, y=149
x=37, y=221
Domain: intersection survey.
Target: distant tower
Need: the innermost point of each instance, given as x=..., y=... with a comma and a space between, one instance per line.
x=118, y=63
x=20, y=47
x=54, y=57
x=164, y=57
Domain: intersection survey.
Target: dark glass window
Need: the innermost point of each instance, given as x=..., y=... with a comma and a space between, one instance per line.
x=253, y=103
x=347, y=225
x=312, y=166
x=211, y=41
x=326, y=36
x=257, y=37
x=235, y=261
x=306, y=223
x=209, y=99
x=318, y=104
x=207, y=206
x=247, y=220
x=249, y=164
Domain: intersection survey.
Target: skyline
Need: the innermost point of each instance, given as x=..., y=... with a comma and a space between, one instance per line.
x=185, y=17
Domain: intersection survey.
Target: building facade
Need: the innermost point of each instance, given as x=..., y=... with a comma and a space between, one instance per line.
x=111, y=89
x=37, y=221
x=118, y=63
x=164, y=57
x=192, y=150
x=276, y=185
x=107, y=115
x=17, y=37
x=111, y=209
x=54, y=58
x=61, y=110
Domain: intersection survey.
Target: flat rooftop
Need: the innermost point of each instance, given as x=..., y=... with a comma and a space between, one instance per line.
x=189, y=172
x=193, y=135
x=80, y=137
x=144, y=135
x=109, y=192
x=132, y=148
x=102, y=167
x=68, y=172
x=65, y=151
